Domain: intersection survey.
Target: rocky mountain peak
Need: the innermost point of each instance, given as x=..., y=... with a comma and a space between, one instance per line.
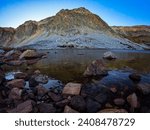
x=80, y=10
x=76, y=28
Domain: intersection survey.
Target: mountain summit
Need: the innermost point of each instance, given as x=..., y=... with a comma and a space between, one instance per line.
x=77, y=28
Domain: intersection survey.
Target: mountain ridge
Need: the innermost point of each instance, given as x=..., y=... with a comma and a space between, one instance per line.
x=77, y=28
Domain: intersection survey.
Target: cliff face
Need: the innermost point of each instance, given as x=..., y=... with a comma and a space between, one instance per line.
x=77, y=28
x=138, y=34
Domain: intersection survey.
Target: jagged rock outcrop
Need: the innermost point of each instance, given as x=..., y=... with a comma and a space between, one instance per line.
x=138, y=34
x=68, y=28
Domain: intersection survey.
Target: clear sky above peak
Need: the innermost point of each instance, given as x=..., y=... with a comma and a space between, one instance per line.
x=114, y=12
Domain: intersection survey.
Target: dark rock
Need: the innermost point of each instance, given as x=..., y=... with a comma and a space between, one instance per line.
x=119, y=101
x=37, y=79
x=135, y=77
x=144, y=88
x=25, y=107
x=72, y=89
x=41, y=90
x=2, y=76
x=101, y=98
x=55, y=97
x=78, y=103
x=33, y=82
x=21, y=75
x=113, y=110
x=96, y=68
x=62, y=103
x=109, y=55
x=15, y=94
x=16, y=83
x=68, y=109
x=93, y=90
x=92, y=106
x=46, y=108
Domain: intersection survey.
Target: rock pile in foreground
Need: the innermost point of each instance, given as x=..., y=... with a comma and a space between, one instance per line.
x=86, y=97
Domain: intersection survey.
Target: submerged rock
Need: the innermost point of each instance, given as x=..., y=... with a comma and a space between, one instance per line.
x=96, y=68
x=135, y=77
x=109, y=55
x=72, y=89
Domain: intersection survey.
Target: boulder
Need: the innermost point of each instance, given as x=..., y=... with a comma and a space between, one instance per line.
x=135, y=77
x=40, y=78
x=68, y=109
x=12, y=55
x=46, y=108
x=21, y=75
x=72, y=89
x=78, y=103
x=41, y=90
x=25, y=107
x=92, y=106
x=62, y=103
x=133, y=101
x=119, y=101
x=144, y=88
x=101, y=98
x=55, y=97
x=96, y=68
x=109, y=55
x=16, y=83
x=15, y=94
x=113, y=110
x=29, y=54
x=36, y=79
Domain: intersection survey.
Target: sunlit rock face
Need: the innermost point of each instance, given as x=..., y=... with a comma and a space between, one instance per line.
x=77, y=28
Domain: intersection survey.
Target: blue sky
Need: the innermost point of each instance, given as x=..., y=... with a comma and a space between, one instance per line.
x=114, y=12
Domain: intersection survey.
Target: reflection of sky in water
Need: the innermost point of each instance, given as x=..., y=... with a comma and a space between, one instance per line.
x=121, y=78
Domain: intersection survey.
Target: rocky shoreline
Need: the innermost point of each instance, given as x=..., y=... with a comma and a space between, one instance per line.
x=26, y=92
